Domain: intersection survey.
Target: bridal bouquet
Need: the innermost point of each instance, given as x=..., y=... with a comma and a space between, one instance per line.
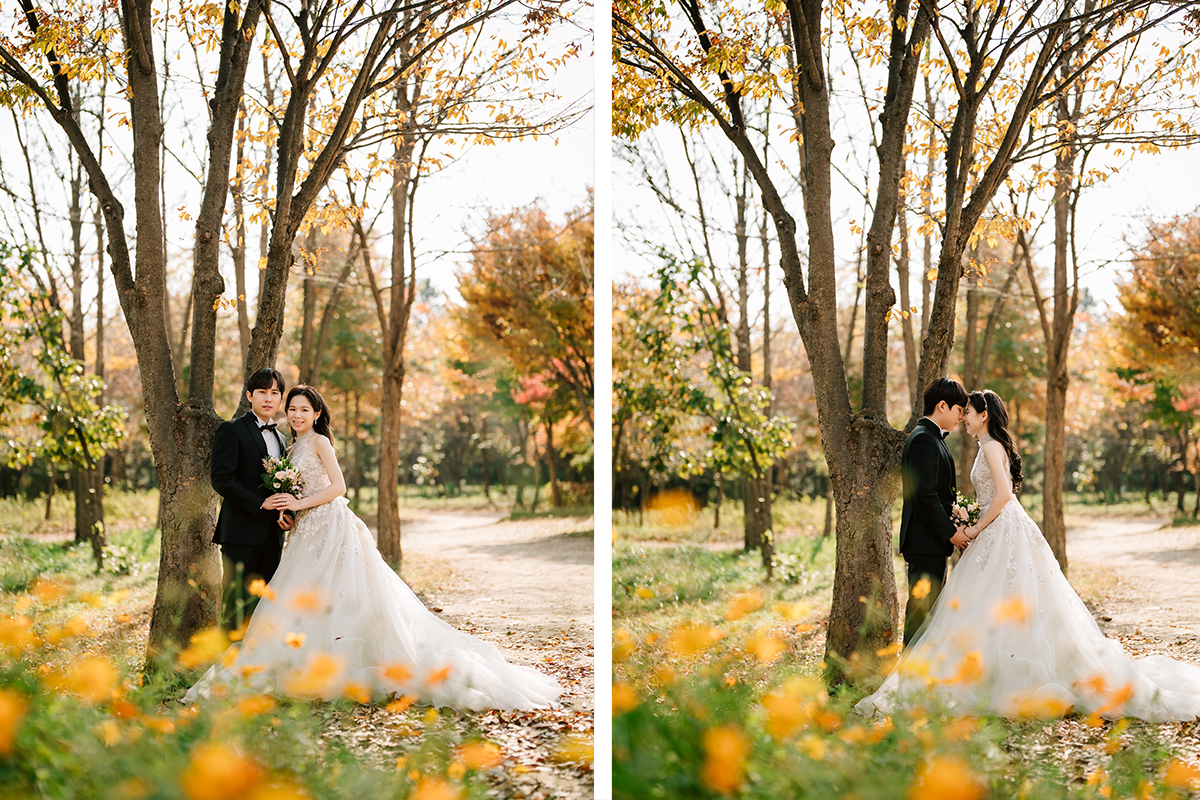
x=282, y=476
x=965, y=510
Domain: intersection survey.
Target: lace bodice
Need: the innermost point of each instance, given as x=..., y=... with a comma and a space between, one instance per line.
x=981, y=477
x=306, y=460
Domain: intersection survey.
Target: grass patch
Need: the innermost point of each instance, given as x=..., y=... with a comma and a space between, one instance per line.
x=717, y=692
x=553, y=513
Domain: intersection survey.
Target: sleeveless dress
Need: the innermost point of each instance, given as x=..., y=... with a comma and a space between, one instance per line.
x=338, y=621
x=1009, y=636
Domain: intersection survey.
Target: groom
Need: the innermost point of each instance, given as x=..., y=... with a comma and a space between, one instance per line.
x=927, y=534
x=247, y=531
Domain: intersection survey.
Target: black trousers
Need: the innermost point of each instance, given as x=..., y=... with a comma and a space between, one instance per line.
x=933, y=570
x=241, y=565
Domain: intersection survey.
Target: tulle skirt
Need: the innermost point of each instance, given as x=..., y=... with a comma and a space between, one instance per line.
x=1009, y=636
x=337, y=621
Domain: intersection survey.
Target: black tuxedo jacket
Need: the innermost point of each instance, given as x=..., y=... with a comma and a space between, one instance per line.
x=237, y=470
x=927, y=472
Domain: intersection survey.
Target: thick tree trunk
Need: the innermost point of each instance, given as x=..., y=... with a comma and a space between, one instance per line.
x=389, y=468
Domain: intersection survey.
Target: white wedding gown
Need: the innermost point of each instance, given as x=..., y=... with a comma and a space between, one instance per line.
x=1009, y=636
x=342, y=621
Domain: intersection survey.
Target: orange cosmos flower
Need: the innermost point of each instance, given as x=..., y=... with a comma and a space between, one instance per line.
x=253, y=706
x=742, y=604
x=204, y=648
x=435, y=789
x=295, y=640
x=623, y=699
x=401, y=704
x=397, y=673
x=438, y=676
x=1181, y=775
x=13, y=708
x=689, y=639
x=970, y=670
x=259, y=588
x=1012, y=609
x=725, y=748
x=219, y=772
x=946, y=778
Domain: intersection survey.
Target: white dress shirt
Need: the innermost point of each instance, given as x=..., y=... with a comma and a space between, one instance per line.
x=269, y=437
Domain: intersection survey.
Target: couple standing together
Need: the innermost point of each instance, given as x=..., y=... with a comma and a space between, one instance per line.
x=1005, y=634
x=326, y=616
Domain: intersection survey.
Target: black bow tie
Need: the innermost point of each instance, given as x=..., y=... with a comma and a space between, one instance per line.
x=945, y=434
x=270, y=426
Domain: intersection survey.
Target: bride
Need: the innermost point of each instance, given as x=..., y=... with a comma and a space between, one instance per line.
x=1008, y=635
x=337, y=621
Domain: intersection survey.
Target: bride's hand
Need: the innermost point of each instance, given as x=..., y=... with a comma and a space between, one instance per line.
x=283, y=502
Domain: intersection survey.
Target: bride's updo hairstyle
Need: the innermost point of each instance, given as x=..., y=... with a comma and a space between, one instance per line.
x=321, y=424
x=989, y=401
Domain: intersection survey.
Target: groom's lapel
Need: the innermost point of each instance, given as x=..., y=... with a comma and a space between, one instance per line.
x=255, y=433
x=937, y=434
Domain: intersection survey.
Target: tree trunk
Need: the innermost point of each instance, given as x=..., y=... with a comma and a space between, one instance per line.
x=966, y=442
x=906, y=308
x=309, y=313
x=552, y=466
x=239, y=243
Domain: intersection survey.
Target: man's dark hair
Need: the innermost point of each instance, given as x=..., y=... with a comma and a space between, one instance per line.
x=946, y=389
x=263, y=378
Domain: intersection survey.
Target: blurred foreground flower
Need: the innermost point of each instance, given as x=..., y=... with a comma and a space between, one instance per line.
x=1012, y=609
x=676, y=507
x=623, y=645
x=970, y=670
x=1181, y=775
x=623, y=699
x=742, y=604
x=48, y=592
x=689, y=639
x=316, y=679
x=253, y=706
x=922, y=589
x=435, y=789
x=16, y=636
x=12, y=712
x=259, y=588
x=725, y=749
x=205, y=648
x=92, y=680
x=946, y=778
x=219, y=772
x=479, y=755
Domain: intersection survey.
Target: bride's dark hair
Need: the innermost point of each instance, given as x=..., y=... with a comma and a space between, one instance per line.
x=989, y=401
x=322, y=423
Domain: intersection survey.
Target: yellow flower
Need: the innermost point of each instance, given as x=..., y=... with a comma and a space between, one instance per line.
x=435, y=789
x=623, y=645
x=253, y=706
x=946, y=778
x=689, y=639
x=1012, y=609
x=397, y=673
x=725, y=748
x=308, y=601
x=48, y=592
x=1179, y=775
x=204, y=648
x=92, y=680
x=645, y=593
x=317, y=677
x=791, y=611
x=401, y=704
x=814, y=746
x=742, y=604
x=480, y=755
x=358, y=693
x=765, y=647
x=623, y=699
x=295, y=640
x=970, y=670
x=922, y=589
x=218, y=772
x=13, y=708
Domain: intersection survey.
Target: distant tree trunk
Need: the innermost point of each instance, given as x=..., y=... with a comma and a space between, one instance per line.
x=966, y=441
x=309, y=313
x=906, y=316
x=552, y=465
x=239, y=242
x=394, y=326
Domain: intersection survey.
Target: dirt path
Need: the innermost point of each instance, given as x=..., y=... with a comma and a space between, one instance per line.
x=526, y=586
x=1143, y=580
